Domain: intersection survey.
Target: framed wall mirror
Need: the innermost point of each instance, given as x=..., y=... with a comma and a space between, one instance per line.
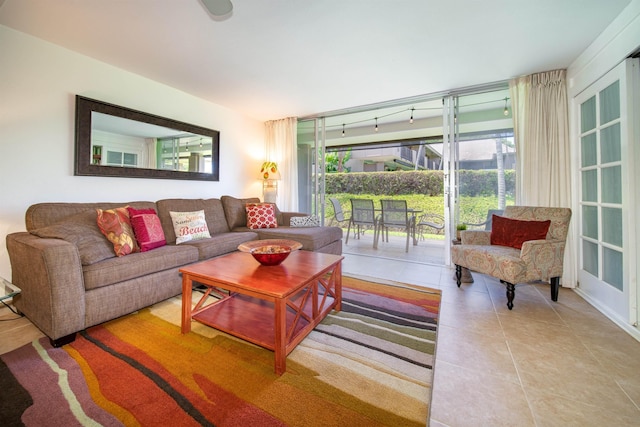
x=116, y=141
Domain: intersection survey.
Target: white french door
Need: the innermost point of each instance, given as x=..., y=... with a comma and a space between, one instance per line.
x=607, y=213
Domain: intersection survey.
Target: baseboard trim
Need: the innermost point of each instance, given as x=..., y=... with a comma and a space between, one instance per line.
x=630, y=329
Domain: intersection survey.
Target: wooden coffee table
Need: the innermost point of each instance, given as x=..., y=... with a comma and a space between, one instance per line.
x=273, y=307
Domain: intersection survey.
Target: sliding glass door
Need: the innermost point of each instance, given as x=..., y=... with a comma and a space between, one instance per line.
x=311, y=167
x=427, y=140
x=482, y=166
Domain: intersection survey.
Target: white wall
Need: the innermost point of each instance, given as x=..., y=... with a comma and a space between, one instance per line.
x=38, y=84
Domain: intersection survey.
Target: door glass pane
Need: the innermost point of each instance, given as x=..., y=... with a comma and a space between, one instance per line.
x=610, y=144
x=610, y=103
x=590, y=257
x=590, y=185
x=588, y=115
x=612, y=184
x=612, y=267
x=590, y=221
x=612, y=226
x=588, y=150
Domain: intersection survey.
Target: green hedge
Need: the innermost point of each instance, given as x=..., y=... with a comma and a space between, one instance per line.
x=430, y=183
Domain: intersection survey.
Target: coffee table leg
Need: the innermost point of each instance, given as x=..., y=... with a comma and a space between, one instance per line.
x=280, y=334
x=187, y=284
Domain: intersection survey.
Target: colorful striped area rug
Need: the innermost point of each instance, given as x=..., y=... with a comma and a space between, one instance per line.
x=369, y=365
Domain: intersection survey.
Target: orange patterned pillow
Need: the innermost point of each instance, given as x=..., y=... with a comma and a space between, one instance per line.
x=115, y=225
x=261, y=215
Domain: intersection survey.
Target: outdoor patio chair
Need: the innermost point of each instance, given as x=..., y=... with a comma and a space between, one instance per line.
x=363, y=217
x=429, y=221
x=487, y=223
x=526, y=244
x=395, y=214
x=339, y=216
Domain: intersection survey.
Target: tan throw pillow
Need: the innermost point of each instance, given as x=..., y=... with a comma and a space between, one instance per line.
x=261, y=215
x=189, y=226
x=115, y=225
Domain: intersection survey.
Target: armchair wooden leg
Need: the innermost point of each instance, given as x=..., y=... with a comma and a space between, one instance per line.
x=555, y=287
x=511, y=293
x=458, y=275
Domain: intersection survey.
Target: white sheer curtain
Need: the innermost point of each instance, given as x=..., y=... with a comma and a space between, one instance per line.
x=541, y=127
x=281, y=146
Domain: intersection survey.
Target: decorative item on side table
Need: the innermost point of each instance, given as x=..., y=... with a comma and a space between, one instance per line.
x=7, y=291
x=459, y=228
x=270, y=176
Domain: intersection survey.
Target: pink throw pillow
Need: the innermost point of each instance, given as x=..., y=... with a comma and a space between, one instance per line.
x=147, y=228
x=514, y=232
x=261, y=215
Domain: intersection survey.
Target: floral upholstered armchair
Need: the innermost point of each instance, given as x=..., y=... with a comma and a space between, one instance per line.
x=524, y=245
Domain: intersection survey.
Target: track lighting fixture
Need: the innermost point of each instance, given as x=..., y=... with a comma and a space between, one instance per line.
x=343, y=130
x=376, y=129
x=506, y=110
x=411, y=119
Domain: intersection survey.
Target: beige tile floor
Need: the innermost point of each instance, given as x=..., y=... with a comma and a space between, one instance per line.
x=541, y=364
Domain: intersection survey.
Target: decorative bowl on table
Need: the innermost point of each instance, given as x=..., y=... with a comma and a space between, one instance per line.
x=271, y=254
x=252, y=244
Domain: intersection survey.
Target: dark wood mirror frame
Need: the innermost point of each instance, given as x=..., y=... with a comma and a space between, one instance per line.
x=83, y=166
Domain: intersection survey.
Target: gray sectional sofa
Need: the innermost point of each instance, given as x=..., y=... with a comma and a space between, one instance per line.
x=71, y=279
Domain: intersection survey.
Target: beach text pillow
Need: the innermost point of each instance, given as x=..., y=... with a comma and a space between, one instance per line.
x=189, y=226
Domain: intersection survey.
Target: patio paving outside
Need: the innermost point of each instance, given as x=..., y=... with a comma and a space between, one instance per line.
x=428, y=251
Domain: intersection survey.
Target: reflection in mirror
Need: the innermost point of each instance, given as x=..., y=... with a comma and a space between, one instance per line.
x=122, y=142
x=116, y=141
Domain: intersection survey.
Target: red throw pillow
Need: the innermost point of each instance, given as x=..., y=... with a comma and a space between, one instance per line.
x=147, y=228
x=116, y=226
x=514, y=232
x=261, y=215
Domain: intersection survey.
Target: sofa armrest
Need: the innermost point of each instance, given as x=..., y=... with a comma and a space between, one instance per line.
x=475, y=237
x=49, y=275
x=286, y=217
x=546, y=255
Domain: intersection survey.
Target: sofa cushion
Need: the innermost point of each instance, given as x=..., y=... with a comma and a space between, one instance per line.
x=514, y=232
x=214, y=214
x=115, y=270
x=261, y=215
x=189, y=226
x=115, y=225
x=147, y=228
x=312, y=238
x=221, y=243
x=235, y=212
x=82, y=231
x=48, y=213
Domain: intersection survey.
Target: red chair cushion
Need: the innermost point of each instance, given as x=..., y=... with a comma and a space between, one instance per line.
x=514, y=232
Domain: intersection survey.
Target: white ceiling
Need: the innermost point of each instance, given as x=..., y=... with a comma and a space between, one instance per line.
x=277, y=58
